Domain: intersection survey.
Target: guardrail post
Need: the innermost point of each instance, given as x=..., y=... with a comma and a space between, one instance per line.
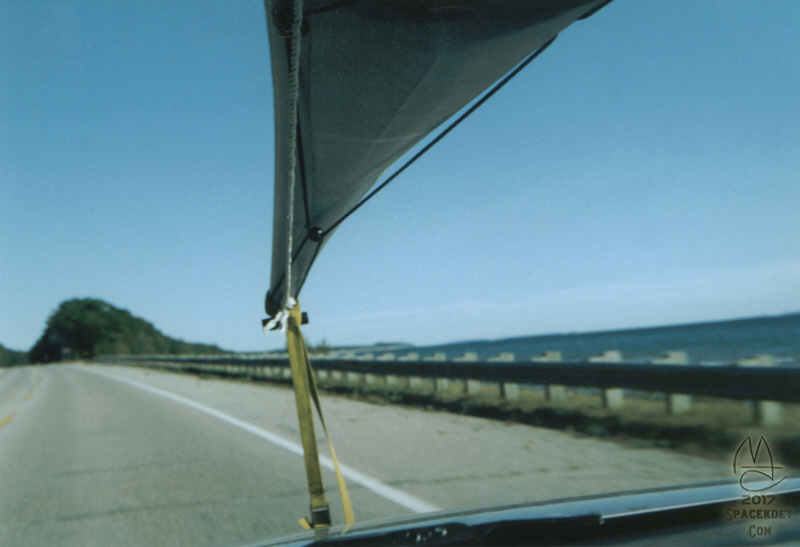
x=472, y=387
x=555, y=393
x=439, y=384
x=371, y=378
x=401, y=381
x=612, y=397
x=508, y=390
x=417, y=382
x=676, y=403
x=355, y=378
x=396, y=381
x=764, y=412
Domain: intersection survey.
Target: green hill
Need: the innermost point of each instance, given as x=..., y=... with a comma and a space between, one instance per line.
x=84, y=328
x=10, y=357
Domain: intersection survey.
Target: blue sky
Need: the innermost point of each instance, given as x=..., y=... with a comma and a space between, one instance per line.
x=643, y=171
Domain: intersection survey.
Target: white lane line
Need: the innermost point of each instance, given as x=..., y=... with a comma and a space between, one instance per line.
x=370, y=483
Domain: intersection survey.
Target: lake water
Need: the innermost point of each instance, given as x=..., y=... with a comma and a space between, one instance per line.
x=707, y=343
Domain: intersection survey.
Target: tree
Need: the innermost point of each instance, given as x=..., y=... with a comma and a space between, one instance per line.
x=88, y=327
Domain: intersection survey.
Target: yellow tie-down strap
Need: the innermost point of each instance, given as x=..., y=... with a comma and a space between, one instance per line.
x=305, y=390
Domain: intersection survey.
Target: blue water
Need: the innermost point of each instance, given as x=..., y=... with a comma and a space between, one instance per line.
x=706, y=343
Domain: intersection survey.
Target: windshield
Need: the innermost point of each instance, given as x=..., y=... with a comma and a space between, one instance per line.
x=591, y=285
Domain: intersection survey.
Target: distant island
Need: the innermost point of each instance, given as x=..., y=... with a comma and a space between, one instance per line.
x=85, y=328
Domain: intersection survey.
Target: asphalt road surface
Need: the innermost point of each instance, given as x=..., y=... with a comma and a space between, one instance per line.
x=93, y=455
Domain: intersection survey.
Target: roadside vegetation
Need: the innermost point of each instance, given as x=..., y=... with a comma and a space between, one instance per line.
x=714, y=428
x=11, y=358
x=86, y=328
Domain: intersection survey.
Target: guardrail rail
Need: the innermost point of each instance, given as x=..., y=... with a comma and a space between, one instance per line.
x=758, y=379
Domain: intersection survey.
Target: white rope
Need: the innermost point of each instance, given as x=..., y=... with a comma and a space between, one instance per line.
x=294, y=92
x=281, y=319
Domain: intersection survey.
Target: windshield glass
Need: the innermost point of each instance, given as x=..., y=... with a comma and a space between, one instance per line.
x=591, y=285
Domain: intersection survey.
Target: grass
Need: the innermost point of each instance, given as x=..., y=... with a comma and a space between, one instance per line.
x=712, y=428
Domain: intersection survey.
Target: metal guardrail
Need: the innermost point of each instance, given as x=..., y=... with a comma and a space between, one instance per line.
x=759, y=383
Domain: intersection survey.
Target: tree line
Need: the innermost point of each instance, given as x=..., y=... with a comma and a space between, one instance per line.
x=85, y=328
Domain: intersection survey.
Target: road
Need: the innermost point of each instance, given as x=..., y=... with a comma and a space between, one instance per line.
x=93, y=455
